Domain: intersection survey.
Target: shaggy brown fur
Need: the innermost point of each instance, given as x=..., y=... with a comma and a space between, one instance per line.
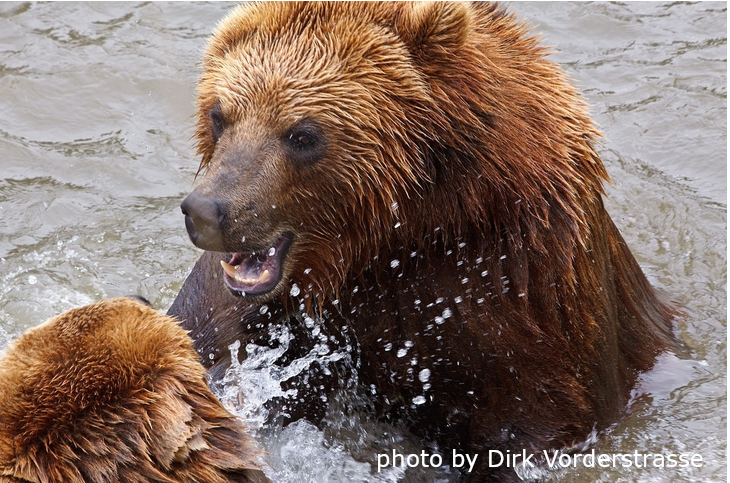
x=114, y=392
x=446, y=201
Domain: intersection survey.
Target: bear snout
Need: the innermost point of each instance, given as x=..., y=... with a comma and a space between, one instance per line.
x=204, y=219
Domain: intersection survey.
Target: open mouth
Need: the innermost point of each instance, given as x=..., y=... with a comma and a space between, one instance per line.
x=258, y=272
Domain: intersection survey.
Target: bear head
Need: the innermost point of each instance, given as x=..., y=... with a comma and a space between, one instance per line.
x=333, y=134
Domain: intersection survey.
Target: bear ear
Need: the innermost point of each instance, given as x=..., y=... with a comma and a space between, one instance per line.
x=430, y=28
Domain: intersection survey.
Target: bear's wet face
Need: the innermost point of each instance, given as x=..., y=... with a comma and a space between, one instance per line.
x=250, y=224
x=298, y=141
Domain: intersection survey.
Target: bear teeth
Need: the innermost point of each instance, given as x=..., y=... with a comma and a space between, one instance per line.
x=264, y=276
x=233, y=272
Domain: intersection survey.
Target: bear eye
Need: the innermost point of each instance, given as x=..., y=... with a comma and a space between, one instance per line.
x=300, y=140
x=217, y=122
x=305, y=142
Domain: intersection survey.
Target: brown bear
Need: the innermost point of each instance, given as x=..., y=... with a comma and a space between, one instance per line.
x=114, y=392
x=419, y=176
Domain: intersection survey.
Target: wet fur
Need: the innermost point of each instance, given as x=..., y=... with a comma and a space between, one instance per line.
x=114, y=392
x=455, y=149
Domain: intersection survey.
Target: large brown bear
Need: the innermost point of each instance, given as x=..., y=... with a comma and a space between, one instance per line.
x=114, y=392
x=420, y=177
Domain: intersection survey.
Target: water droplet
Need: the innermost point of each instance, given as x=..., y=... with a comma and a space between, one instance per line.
x=294, y=290
x=394, y=264
x=402, y=352
x=307, y=270
x=32, y=279
x=424, y=375
x=418, y=400
x=388, y=347
x=397, y=225
x=272, y=251
x=446, y=313
x=243, y=239
x=263, y=309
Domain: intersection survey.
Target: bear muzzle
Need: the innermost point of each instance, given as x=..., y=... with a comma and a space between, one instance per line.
x=254, y=268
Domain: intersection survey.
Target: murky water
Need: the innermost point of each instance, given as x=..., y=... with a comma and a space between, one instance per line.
x=95, y=155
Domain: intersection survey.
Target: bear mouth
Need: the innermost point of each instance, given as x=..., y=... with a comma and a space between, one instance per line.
x=257, y=272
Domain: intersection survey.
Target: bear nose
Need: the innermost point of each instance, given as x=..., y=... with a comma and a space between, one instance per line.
x=204, y=220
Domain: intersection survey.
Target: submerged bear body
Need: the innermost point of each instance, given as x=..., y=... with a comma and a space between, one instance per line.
x=424, y=181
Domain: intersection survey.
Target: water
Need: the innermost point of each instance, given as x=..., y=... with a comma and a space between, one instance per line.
x=96, y=102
